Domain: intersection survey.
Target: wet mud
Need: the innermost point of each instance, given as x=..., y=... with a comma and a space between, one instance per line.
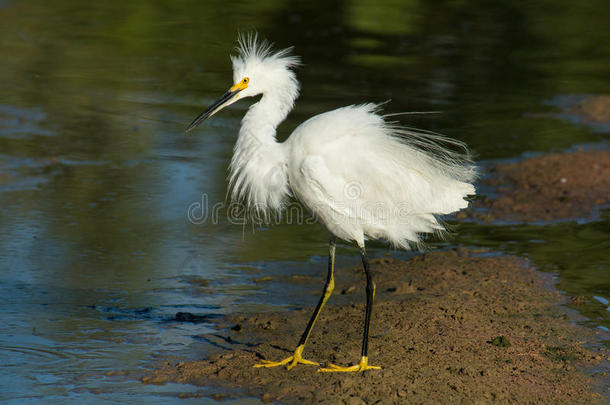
x=593, y=109
x=551, y=187
x=448, y=327
x=557, y=186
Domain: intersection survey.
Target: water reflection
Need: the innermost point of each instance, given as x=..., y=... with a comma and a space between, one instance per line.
x=96, y=174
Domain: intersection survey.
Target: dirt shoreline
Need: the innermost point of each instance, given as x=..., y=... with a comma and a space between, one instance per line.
x=448, y=327
x=556, y=186
x=595, y=108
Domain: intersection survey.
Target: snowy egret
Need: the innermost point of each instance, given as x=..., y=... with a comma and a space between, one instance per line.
x=360, y=175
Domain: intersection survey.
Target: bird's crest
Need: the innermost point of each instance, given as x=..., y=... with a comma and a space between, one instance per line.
x=253, y=51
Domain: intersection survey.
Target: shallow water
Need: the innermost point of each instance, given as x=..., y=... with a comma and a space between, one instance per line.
x=106, y=225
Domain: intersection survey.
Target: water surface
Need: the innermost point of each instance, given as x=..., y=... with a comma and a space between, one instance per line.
x=97, y=176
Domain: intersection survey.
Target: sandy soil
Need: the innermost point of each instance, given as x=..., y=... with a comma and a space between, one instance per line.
x=594, y=108
x=558, y=186
x=448, y=327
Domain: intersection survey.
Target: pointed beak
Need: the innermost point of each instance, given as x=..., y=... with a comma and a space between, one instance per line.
x=227, y=99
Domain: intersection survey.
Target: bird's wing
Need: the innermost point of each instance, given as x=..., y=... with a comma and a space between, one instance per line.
x=366, y=179
x=322, y=188
x=363, y=156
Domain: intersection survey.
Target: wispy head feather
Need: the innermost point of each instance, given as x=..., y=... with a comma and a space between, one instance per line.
x=250, y=46
x=254, y=53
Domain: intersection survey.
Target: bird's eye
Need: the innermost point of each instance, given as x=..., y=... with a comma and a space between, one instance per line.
x=245, y=81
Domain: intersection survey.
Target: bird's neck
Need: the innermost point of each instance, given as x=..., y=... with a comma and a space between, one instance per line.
x=258, y=174
x=263, y=117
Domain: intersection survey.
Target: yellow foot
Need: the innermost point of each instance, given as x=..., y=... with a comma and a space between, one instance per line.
x=289, y=362
x=332, y=368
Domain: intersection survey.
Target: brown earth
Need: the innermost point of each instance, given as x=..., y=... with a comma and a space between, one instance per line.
x=558, y=186
x=448, y=327
x=594, y=108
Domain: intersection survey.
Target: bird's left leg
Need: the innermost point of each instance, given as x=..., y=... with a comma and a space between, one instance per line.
x=370, y=296
x=297, y=358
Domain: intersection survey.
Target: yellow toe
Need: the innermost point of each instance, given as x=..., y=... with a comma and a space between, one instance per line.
x=362, y=366
x=268, y=364
x=289, y=362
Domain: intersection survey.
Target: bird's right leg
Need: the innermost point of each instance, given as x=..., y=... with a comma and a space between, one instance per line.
x=297, y=358
x=363, y=365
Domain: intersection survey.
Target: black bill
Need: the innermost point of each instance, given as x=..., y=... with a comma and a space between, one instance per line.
x=214, y=108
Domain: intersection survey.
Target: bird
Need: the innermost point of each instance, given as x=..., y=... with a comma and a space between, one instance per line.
x=361, y=175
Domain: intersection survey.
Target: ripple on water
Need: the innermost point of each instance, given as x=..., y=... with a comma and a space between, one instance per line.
x=19, y=123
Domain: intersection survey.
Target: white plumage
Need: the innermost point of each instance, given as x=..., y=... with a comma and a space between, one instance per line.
x=363, y=179
x=361, y=176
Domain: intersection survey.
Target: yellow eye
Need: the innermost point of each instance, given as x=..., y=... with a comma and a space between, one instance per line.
x=241, y=85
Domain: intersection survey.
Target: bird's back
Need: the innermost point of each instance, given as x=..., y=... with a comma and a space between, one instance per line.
x=366, y=179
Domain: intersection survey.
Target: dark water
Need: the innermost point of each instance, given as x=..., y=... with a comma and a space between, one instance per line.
x=97, y=176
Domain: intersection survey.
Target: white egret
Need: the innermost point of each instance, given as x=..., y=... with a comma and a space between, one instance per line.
x=361, y=176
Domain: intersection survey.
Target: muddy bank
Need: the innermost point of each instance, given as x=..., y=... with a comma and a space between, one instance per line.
x=448, y=327
x=557, y=186
x=593, y=108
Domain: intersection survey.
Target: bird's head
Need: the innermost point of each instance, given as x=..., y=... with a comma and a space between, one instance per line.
x=257, y=69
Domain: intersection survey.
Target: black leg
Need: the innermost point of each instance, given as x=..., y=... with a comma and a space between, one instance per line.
x=370, y=296
x=363, y=365
x=297, y=357
x=328, y=289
